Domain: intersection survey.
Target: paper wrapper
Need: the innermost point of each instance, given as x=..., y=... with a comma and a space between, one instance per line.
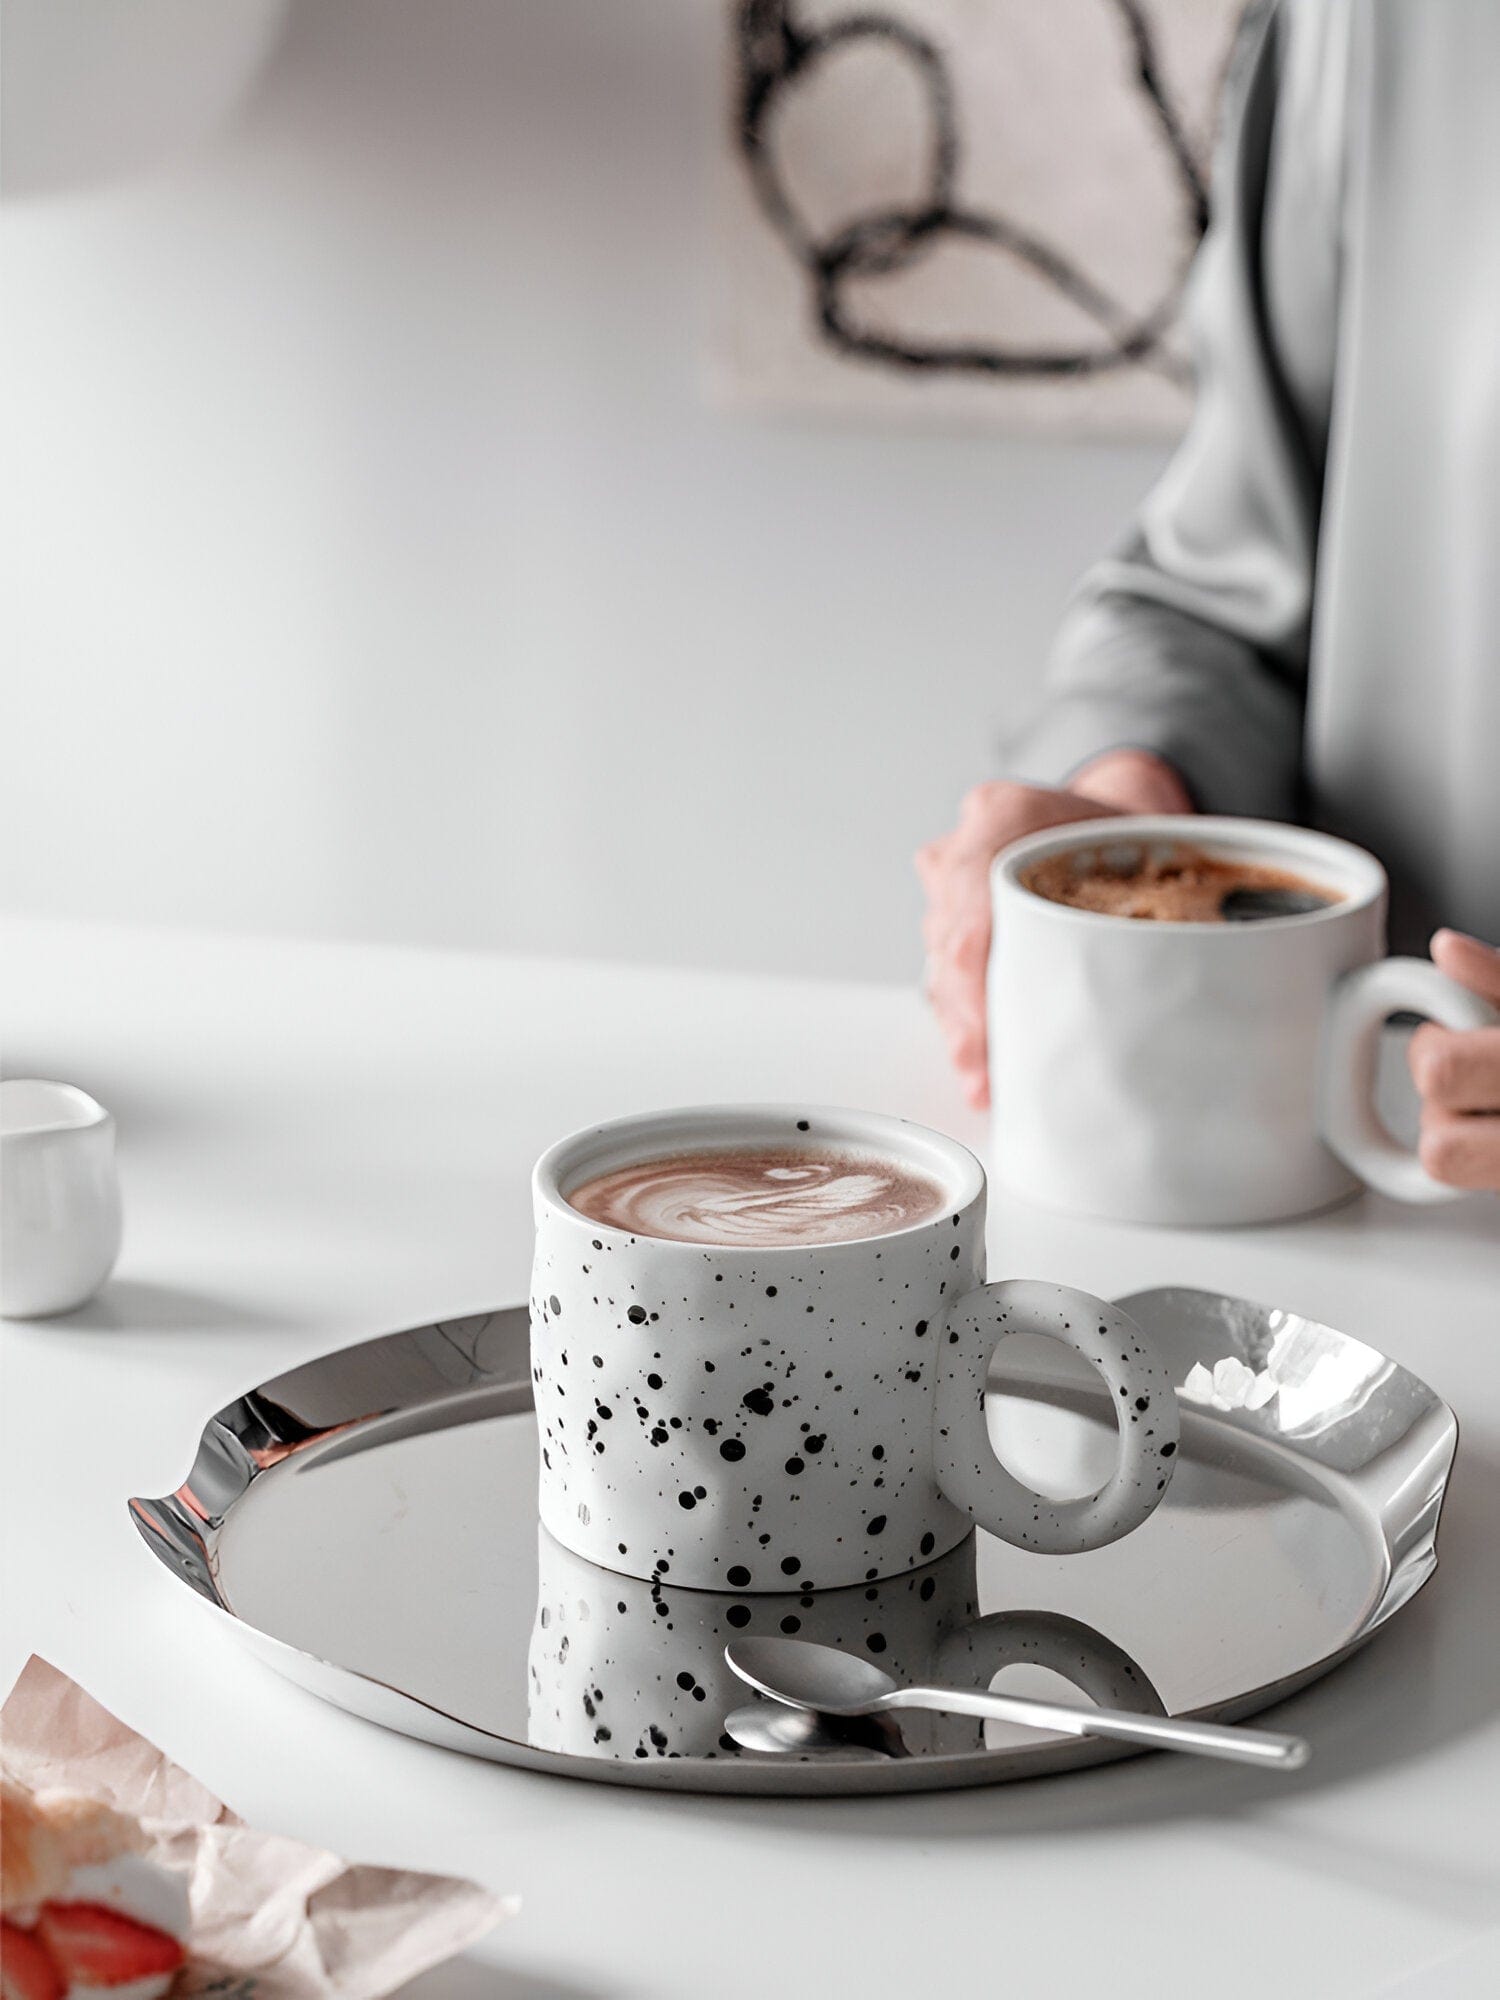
x=271, y=1918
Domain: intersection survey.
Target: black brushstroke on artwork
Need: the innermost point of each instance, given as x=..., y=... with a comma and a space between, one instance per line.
x=775, y=49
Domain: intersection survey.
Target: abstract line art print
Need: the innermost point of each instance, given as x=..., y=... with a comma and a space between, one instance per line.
x=973, y=211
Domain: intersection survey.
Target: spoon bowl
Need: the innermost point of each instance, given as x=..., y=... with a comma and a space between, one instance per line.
x=805, y=1675
x=760, y=1725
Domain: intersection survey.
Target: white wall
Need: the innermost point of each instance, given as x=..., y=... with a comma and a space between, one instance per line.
x=376, y=569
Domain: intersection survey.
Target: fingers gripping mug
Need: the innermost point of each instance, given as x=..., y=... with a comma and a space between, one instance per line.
x=1199, y=1073
x=754, y=1416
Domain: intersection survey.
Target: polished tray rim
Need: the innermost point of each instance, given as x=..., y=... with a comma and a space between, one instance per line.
x=429, y=1377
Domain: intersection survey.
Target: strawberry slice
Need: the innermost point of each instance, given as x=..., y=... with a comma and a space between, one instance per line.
x=26, y=1969
x=95, y=1946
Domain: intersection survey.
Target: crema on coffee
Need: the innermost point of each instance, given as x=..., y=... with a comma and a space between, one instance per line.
x=761, y=1197
x=1182, y=885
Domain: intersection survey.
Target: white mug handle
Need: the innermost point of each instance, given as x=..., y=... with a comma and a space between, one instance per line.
x=1358, y=1009
x=1145, y=1404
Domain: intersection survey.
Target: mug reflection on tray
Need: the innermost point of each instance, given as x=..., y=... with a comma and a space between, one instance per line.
x=621, y=1668
x=972, y=1656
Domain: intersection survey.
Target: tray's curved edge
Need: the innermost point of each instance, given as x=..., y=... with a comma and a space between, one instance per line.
x=169, y=1531
x=1429, y=1442
x=370, y=1390
x=1412, y=1545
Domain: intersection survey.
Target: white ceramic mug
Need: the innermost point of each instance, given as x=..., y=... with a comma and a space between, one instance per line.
x=59, y=1197
x=1198, y=1073
x=805, y=1416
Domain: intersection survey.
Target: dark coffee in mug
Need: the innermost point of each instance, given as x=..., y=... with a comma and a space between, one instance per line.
x=761, y=1197
x=1174, y=885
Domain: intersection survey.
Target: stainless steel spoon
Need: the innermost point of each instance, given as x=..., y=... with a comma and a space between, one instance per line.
x=766, y=1725
x=827, y=1682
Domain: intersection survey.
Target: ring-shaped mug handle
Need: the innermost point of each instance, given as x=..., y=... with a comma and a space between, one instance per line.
x=1145, y=1402
x=1358, y=1010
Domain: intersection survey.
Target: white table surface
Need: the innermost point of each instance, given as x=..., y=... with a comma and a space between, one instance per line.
x=324, y=1142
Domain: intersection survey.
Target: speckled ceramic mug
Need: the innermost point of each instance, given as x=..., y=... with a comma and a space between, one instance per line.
x=808, y=1416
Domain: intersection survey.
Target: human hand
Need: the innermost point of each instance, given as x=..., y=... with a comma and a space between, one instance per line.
x=955, y=874
x=1457, y=1074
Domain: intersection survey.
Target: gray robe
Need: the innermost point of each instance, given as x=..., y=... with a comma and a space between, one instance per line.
x=1305, y=619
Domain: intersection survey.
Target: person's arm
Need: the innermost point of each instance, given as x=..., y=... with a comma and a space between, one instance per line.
x=1190, y=643
x=1178, y=674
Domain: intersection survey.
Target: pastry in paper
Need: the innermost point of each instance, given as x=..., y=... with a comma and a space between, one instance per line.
x=122, y=1877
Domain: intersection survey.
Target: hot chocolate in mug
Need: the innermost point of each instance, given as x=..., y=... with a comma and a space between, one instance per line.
x=1203, y=1072
x=801, y=1415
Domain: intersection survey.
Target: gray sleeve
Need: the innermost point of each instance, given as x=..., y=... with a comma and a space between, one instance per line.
x=1191, y=640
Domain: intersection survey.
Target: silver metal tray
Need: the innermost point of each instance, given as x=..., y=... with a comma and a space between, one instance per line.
x=368, y=1522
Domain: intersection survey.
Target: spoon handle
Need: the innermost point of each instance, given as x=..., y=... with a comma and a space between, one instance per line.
x=1153, y=1732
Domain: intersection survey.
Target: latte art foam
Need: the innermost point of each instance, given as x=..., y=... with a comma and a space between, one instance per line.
x=760, y=1198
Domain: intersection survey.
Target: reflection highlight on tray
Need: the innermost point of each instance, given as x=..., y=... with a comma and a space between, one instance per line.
x=1315, y=1378
x=620, y=1668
